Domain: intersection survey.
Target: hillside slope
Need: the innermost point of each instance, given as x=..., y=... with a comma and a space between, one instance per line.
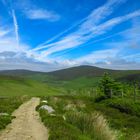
x=16, y=86
x=90, y=71
x=73, y=73
x=19, y=72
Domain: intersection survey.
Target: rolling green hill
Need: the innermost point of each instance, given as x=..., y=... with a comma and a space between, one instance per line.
x=16, y=86
x=27, y=74
x=71, y=78
x=17, y=72
x=73, y=73
x=81, y=81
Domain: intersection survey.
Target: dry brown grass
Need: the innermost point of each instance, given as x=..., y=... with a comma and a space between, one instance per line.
x=101, y=128
x=94, y=125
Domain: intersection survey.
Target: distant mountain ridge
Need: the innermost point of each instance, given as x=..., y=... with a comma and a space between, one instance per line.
x=75, y=72
x=79, y=71
x=18, y=72
x=90, y=71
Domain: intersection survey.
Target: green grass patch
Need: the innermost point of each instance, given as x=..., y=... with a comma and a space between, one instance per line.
x=72, y=120
x=82, y=83
x=121, y=114
x=7, y=106
x=16, y=86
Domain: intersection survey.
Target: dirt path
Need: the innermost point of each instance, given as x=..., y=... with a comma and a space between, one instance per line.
x=26, y=125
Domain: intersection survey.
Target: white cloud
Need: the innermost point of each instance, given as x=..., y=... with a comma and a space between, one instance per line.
x=41, y=14
x=100, y=13
x=13, y=57
x=88, y=29
x=109, y=58
x=20, y=60
x=80, y=37
x=3, y=32
x=87, y=23
x=98, y=56
x=119, y=64
x=59, y=35
x=9, y=33
x=33, y=11
x=8, y=40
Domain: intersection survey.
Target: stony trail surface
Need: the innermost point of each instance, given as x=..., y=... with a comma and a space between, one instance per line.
x=27, y=124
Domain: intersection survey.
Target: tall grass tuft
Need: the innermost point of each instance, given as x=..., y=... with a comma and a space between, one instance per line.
x=93, y=125
x=101, y=128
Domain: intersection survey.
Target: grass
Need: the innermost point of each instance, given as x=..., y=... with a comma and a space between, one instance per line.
x=73, y=120
x=12, y=90
x=123, y=115
x=81, y=83
x=94, y=125
x=58, y=128
x=7, y=106
x=93, y=120
x=127, y=106
x=80, y=115
x=15, y=86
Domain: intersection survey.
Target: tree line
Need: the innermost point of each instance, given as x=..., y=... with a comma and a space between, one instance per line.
x=110, y=87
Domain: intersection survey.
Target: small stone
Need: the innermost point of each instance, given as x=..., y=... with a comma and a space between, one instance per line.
x=48, y=108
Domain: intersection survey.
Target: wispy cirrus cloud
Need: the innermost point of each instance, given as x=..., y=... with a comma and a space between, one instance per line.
x=89, y=29
x=86, y=23
x=80, y=37
x=8, y=41
x=16, y=55
x=9, y=36
x=4, y=31
x=36, y=14
x=119, y=56
x=33, y=11
x=95, y=17
x=98, y=56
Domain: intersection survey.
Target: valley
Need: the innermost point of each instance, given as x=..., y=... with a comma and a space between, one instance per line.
x=78, y=100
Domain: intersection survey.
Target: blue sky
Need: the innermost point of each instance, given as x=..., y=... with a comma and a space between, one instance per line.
x=46, y=35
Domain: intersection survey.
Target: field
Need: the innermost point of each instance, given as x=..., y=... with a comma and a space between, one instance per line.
x=17, y=86
x=81, y=110
x=83, y=118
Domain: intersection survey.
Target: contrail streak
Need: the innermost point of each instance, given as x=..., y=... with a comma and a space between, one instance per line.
x=41, y=46
x=15, y=27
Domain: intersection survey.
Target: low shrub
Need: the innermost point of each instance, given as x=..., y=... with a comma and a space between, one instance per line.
x=126, y=106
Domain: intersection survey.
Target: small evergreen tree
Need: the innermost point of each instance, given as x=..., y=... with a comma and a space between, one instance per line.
x=109, y=86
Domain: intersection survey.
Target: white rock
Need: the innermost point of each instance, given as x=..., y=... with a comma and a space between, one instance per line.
x=48, y=108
